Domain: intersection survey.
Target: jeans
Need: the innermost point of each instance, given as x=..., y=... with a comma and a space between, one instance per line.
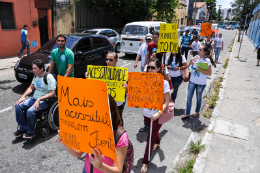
x=186, y=50
x=142, y=69
x=26, y=114
x=199, y=91
x=176, y=82
x=217, y=52
x=84, y=171
x=25, y=46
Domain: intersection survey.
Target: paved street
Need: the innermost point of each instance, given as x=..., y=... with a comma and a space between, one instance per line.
x=44, y=155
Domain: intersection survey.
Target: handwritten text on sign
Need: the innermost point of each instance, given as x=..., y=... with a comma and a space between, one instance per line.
x=205, y=29
x=168, y=38
x=113, y=76
x=84, y=116
x=145, y=90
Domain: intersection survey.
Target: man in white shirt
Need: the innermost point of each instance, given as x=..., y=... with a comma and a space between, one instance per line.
x=143, y=51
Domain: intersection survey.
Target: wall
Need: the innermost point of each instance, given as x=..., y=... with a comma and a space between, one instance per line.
x=65, y=19
x=24, y=13
x=181, y=13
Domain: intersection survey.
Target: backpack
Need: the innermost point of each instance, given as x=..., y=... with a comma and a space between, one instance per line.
x=208, y=44
x=129, y=159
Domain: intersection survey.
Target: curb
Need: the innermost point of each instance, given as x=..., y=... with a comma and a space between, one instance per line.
x=202, y=157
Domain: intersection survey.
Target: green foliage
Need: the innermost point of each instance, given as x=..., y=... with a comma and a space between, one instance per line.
x=196, y=147
x=137, y=10
x=186, y=167
x=237, y=7
x=226, y=63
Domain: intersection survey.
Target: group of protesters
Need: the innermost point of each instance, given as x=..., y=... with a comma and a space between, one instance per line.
x=151, y=62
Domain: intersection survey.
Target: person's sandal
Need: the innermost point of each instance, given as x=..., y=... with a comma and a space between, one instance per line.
x=195, y=114
x=186, y=116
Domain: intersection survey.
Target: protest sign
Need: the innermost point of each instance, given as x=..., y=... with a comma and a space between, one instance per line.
x=113, y=76
x=145, y=90
x=205, y=29
x=168, y=38
x=84, y=116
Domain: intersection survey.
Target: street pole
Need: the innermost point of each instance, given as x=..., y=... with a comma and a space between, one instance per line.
x=240, y=20
x=195, y=13
x=219, y=12
x=242, y=37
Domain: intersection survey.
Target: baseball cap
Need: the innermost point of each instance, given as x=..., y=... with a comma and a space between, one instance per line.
x=148, y=36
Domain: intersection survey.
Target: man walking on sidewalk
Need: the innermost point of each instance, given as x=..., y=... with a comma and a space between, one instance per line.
x=25, y=41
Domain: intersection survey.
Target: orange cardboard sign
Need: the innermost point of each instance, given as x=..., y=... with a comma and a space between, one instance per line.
x=84, y=115
x=205, y=29
x=145, y=90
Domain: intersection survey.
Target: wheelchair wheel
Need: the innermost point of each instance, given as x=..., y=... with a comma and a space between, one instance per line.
x=53, y=116
x=45, y=132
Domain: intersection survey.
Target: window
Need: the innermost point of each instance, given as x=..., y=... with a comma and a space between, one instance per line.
x=134, y=30
x=103, y=32
x=111, y=33
x=220, y=23
x=98, y=42
x=6, y=15
x=181, y=21
x=84, y=45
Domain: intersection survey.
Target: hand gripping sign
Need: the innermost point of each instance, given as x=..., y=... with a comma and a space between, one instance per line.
x=113, y=76
x=205, y=29
x=168, y=38
x=145, y=90
x=84, y=116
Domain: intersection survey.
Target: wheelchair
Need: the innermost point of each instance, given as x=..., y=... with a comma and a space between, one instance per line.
x=47, y=118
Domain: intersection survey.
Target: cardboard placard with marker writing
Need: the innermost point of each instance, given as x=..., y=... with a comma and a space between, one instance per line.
x=205, y=29
x=145, y=90
x=168, y=38
x=113, y=76
x=84, y=116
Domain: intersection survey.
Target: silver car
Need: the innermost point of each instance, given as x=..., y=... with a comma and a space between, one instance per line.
x=110, y=33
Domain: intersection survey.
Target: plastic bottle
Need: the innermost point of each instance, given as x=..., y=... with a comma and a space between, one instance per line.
x=173, y=65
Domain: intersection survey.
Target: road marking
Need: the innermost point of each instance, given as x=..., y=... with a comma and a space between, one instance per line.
x=125, y=65
x=6, y=109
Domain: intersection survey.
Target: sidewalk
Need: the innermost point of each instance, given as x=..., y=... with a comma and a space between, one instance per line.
x=8, y=62
x=234, y=141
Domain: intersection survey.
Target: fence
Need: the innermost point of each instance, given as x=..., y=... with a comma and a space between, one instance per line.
x=254, y=27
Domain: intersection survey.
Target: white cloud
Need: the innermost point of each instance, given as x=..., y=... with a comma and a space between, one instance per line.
x=224, y=3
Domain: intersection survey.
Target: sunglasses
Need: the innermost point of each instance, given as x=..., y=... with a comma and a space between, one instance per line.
x=111, y=60
x=151, y=67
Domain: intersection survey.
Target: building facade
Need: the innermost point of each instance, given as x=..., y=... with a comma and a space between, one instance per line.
x=200, y=12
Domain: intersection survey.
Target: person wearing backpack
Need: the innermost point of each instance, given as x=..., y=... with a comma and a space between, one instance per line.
x=154, y=66
x=185, y=42
x=124, y=149
x=195, y=46
x=210, y=44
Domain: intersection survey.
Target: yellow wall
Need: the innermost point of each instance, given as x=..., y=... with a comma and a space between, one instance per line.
x=65, y=19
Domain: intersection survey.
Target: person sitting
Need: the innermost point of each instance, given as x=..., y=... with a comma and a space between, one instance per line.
x=26, y=109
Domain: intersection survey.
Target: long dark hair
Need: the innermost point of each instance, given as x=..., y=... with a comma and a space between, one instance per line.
x=178, y=58
x=157, y=63
x=116, y=119
x=208, y=55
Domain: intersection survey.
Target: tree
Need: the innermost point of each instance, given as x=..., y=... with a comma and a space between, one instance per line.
x=238, y=6
x=136, y=10
x=227, y=18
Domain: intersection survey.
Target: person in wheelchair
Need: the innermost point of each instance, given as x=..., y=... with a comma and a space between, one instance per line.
x=26, y=109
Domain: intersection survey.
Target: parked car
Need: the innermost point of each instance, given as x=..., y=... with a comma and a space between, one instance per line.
x=229, y=27
x=214, y=26
x=110, y=33
x=133, y=35
x=88, y=49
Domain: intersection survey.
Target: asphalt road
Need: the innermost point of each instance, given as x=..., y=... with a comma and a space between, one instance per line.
x=44, y=155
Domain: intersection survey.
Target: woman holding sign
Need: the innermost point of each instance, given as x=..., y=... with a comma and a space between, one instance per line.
x=174, y=63
x=103, y=163
x=154, y=66
x=201, y=69
x=111, y=60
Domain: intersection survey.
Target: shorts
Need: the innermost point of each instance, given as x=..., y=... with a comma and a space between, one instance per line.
x=258, y=53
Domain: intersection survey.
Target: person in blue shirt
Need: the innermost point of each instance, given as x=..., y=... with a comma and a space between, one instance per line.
x=25, y=41
x=185, y=42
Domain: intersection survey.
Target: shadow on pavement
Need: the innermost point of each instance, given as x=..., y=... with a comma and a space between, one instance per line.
x=152, y=168
x=128, y=57
x=20, y=89
x=5, y=87
x=178, y=112
x=193, y=123
x=141, y=136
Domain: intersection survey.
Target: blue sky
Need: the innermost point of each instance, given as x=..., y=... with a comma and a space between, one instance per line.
x=224, y=3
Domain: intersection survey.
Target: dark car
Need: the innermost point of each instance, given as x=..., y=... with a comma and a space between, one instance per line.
x=88, y=49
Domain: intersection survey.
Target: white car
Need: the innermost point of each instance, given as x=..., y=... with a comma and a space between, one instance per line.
x=133, y=35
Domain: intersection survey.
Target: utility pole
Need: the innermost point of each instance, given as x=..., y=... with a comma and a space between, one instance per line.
x=219, y=12
x=245, y=1
x=195, y=13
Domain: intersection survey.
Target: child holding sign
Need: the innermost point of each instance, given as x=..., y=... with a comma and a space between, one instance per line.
x=154, y=66
x=103, y=163
x=201, y=68
x=111, y=60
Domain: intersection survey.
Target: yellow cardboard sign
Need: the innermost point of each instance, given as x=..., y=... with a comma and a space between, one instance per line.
x=168, y=38
x=84, y=116
x=113, y=76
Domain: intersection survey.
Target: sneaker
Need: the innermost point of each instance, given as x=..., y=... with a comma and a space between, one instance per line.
x=19, y=55
x=28, y=135
x=19, y=133
x=143, y=128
